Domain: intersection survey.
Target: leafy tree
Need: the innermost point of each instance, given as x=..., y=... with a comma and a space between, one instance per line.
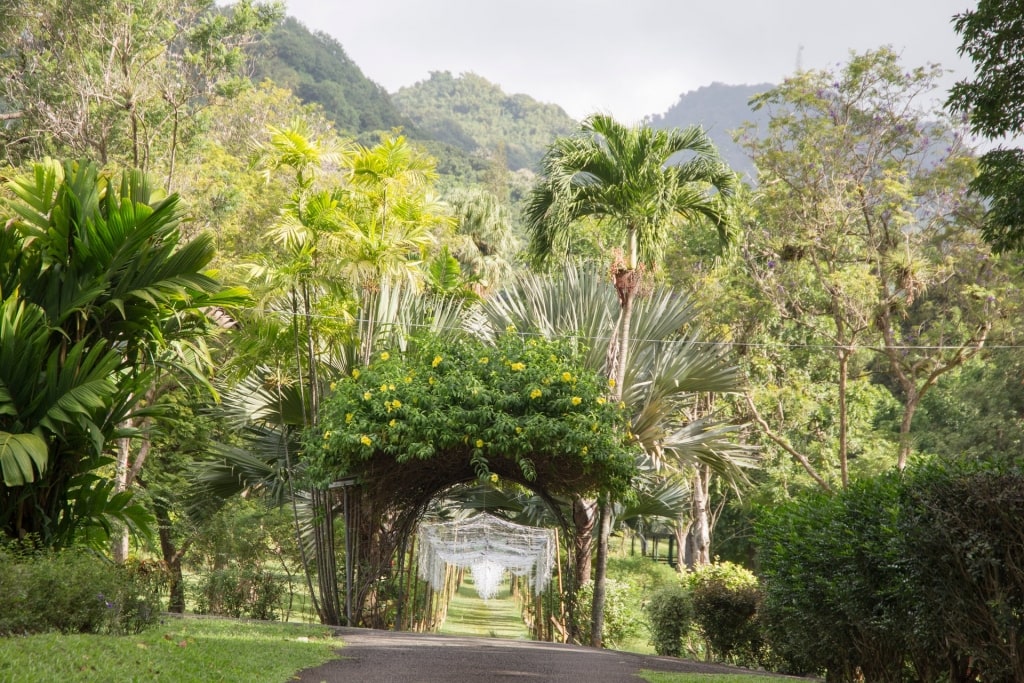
x=993, y=101
x=119, y=82
x=624, y=175
x=95, y=287
x=866, y=232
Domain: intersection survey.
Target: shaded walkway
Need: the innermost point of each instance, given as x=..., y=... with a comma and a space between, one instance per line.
x=384, y=656
x=471, y=615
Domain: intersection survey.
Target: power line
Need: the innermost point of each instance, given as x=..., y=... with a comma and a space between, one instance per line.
x=713, y=344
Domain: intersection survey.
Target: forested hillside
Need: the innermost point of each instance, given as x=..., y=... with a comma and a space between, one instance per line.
x=315, y=67
x=472, y=113
x=721, y=109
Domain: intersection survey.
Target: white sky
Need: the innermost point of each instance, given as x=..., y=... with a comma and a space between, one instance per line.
x=629, y=58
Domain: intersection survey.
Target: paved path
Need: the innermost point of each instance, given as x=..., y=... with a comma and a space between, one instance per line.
x=383, y=656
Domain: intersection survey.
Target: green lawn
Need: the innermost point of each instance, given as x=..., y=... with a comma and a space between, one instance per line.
x=469, y=615
x=177, y=650
x=663, y=677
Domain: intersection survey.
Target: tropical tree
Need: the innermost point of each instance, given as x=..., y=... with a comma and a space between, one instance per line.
x=993, y=102
x=640, y=180
x=670, y=367
x=122, y=82
x=867, y=231
x=95, y=287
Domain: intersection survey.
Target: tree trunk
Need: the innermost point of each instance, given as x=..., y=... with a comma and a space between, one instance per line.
x=172, y=560
x=844, y=371
x=583, y=517
x=700, y=531
x=119, y=542
x=600, y=583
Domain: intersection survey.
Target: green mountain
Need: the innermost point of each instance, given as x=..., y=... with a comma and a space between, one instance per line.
x=477, y=116
x=315, y=67
x=720, y=109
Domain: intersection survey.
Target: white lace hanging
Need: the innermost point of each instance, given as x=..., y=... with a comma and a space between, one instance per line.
x=488, y=546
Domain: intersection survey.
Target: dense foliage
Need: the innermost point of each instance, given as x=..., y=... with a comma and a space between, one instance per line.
x=670, y=617
x=98, y=293
x=993, y=100
x=521, y=408
x=726, y=600
x=900, y=578
x=75, y=591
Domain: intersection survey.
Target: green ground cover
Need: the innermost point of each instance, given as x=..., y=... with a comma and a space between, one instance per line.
x=177, y=650
x=664, y=677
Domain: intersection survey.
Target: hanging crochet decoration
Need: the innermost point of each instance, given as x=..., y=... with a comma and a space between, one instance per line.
x=488, y=546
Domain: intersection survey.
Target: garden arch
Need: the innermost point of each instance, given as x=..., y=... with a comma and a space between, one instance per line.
x=402, y=430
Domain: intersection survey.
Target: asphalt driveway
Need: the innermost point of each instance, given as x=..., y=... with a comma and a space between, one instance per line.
x=384, y=656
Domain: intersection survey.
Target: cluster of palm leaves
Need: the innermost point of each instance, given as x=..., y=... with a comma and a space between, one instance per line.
x=97, y=298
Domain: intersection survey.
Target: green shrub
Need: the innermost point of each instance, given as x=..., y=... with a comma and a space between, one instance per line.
x=833, y=597
x=963, y=549
x=726, y=598
x=670, y=616
x=237, y=591
x=620, y=613
x=73, y=591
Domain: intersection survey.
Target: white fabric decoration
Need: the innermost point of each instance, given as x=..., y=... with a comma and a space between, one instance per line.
x=488, y=546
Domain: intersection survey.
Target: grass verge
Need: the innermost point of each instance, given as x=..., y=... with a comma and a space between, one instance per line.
x=176, y=650
x=663, y=677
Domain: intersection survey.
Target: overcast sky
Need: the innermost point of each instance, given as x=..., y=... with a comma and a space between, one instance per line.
x=629, y=58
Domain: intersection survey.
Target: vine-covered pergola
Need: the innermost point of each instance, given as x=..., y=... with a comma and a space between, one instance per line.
x=397, y=433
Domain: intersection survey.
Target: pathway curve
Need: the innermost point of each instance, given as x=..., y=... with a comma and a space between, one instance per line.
x=370, y=656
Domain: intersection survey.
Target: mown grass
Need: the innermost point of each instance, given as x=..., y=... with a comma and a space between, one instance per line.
x=176, y=650
x=665, y=677
x=470, y=615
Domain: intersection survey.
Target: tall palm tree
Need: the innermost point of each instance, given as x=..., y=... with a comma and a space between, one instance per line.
x=668, y=367
x=641, y=181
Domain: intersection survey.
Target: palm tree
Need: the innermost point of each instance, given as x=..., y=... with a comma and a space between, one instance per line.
x=627, y=176
x=665, y=374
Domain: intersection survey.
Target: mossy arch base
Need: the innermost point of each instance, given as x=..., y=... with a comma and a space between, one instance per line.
x=383, y=501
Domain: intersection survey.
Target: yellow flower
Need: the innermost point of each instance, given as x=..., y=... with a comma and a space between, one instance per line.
x=408, y=379
x=355, y=373
x=396, y=403
x=536, y=393
x=494, y=478
x=485, y=360
x=431, y=380
x=367, y=395
x=517, y=367
x=391, y=424
x=622, y=404
x=327, y=435
x=348, y=417
x=576, y=400
x=365, y=440
x=383, y=387
x=566, y=376
x=437, y=361
x=611, y=381
x=584, y=450
x=479, y=443
x=519, y=430
x=554, y=358
x=391, y=387
x=601, y=400
x=334, y=386
x=385, y=355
